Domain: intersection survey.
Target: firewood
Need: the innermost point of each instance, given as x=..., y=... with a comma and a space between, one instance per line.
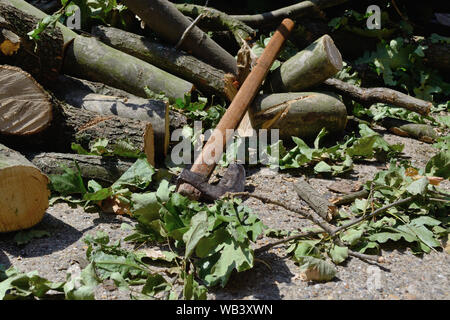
x=103, y=100
x=25, y=107
x=205, y=77
x=85, y=127
x=23, y=192
x=299, y=114
x=311, y=66
x=104, y=170
x=88, y=58
x=162, y=17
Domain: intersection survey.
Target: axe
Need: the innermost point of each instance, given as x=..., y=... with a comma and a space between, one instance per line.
x=212, y=151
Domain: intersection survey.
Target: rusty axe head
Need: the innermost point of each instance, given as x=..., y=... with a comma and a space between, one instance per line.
x=232, y=181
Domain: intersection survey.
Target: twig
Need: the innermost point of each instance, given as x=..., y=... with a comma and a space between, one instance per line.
x=385, y=95
x=188, y=29
x=373, y=214
x=316, y=219
x=293, y=12
x=327, y=228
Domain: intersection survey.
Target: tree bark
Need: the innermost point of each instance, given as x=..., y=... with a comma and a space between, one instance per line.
x=301, y=114
x=316, y=201
x=170, y=24
x=205, y=77
x=294, y=11
x=84, y=127
x=80, y=94
x=42, y=57
x=318, y=62
x=215, y=20
x=383, y=95
x=25, y=107
x=105, y=170
x=23, y=192
x=349, y=198
x=90, y=59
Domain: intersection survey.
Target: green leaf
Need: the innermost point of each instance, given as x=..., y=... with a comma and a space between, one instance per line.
x=217, y=268
x=439, y=165
x=351, y=236
x=338, y=254
x=70, y=182
x=155, y=283
x=139, y=175
x=192, y=290
x=198, y=230
x=418, y=187
x=145, y=206
x=317, y=269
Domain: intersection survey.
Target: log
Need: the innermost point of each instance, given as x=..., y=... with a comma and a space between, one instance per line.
x=25, y=107
x=294, y=11
x=316, y=201
x=301, y=114
x=83, y=94
x=211, y=153
x=215, y=20
x=84, y=127
x=88, y=58
x=41, y=57
x=205, y=77
x=162, y=17
x=92, y=60
x=318, y=62
x=422, y=132
x=370, y=96
x=23, y=192
x=105, y=170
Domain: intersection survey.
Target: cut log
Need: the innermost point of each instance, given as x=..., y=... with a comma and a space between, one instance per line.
x=384, y=95
x=301, y=114
x=215, y=20
x=88, y=58
x=162, y=17
x=80, y=94
x=85, y=127
x=105, y=170
x=41, y=57
x=316, y=201
x=318, y=62
x=422, y=132
x=205, y=77
x=23, y=192
x=294, y=11
x=25, y=107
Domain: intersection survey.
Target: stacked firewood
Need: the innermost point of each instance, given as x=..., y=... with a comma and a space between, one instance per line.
x=76, y=87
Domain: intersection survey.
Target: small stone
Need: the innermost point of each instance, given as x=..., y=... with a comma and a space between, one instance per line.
x=374, y=279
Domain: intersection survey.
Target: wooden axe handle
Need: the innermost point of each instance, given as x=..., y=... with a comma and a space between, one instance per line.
x=213, y=149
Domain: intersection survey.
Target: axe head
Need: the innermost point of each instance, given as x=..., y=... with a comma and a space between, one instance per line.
x=232, y=181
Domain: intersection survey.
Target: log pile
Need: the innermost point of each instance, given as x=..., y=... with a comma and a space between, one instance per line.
x=77, y=87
